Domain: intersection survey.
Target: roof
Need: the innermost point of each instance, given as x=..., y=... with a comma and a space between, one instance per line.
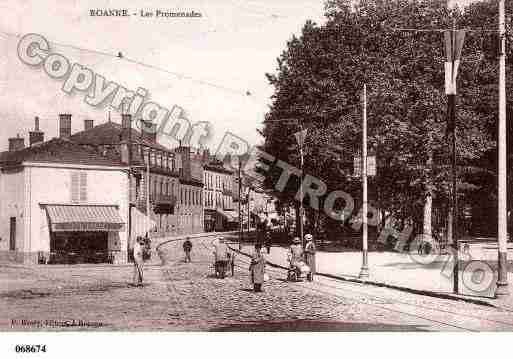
x=192, y=182
x=217, y=166
x=58, y=150
x=110, y=133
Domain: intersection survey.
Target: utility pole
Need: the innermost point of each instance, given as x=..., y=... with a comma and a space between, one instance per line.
x=148, y=191
x=502, y=230
x=364, y=272
x=301, y=214
x=249, y=218
x=451, y=103
x=240, y=214
x=453, y=44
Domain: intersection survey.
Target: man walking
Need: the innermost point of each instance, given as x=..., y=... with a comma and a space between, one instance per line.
x=138, y=261
x=187, y=247
x=310, y=256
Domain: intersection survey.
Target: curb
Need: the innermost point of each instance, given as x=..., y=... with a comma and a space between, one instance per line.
x=390, y=286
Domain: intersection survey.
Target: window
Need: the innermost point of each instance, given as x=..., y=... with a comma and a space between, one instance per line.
x=78, y=187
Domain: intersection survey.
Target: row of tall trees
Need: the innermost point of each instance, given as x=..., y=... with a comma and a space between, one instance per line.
x=396, y=48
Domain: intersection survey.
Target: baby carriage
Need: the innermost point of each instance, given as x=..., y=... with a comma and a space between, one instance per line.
x=224, y=261
x=297, y=271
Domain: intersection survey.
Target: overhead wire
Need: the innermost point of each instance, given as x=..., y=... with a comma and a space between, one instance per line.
x=179, y=75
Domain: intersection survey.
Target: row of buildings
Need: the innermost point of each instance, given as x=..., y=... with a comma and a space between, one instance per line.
x=84, y=197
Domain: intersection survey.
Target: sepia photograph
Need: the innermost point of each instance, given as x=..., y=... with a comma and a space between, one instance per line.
x=254, y=168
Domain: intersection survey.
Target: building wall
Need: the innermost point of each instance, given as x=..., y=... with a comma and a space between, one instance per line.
x=190, y=208
x=12, y=204
x=50, y=183
x=218, y=190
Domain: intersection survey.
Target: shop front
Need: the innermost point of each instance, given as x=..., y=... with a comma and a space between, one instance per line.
x=84, y=233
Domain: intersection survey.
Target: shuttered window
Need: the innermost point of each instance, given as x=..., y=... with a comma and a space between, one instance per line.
x=75, y=187
x=83, y=186
x=78, y=187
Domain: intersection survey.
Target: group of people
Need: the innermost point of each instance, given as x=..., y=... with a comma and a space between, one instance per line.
x=223, y=258
x=297, y=255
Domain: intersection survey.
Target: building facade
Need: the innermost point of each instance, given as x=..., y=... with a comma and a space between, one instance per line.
x=87, y=196
x=62, y=203
x=220, y=211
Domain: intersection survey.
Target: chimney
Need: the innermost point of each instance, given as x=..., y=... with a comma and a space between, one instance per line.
x=88, y=124
x=126, y=120
x=185, y=158
x=36, y=136
x=206, y=155
x=126, y=138
x=64, y=125
x=149, y=131
x=16, y=143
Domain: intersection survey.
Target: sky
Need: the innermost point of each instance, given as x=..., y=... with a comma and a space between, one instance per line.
x=218, y=58
x=210, y=63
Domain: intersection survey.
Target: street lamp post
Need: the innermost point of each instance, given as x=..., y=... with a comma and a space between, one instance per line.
x=502, y=231
x=364, y=272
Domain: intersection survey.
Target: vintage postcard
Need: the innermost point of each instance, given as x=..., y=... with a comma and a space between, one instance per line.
x=254, y=166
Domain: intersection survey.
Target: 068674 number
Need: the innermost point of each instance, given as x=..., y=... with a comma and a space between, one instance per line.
x=30, y=348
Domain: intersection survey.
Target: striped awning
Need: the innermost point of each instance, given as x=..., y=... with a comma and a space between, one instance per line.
x=84, y=218
x=231, y=216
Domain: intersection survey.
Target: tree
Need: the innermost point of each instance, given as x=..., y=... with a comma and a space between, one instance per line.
x=319, y=80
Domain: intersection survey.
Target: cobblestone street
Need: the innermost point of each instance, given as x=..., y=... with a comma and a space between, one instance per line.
x=182, y=296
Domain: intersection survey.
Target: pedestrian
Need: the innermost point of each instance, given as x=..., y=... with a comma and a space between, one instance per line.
x=220, y=257
x=138, y=261
x=268, y=242
x=257, y=268
x=187, y=247
x=310, y=256
x=295, y=253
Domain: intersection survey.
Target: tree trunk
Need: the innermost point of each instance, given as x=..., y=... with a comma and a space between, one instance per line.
x=296, y=207
x=428, y=204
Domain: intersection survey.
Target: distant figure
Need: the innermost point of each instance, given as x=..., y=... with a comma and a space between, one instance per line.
x=257, y=268
x=138, y=261
x=268, y=242
x=310, y=256
x=187, y=247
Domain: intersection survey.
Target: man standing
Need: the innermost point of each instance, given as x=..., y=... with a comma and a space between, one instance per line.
x=187, y=247
x=138, y=261
x=310, y=256
x=257, y=268
x=268, y=242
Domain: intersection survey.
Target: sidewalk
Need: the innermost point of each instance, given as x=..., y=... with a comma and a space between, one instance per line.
x=394, y=270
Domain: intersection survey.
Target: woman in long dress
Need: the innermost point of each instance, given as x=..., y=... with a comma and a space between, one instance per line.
x=310, y=256
x=257, y=268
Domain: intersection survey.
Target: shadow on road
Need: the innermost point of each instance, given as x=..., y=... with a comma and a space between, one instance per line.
x=315, y=326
